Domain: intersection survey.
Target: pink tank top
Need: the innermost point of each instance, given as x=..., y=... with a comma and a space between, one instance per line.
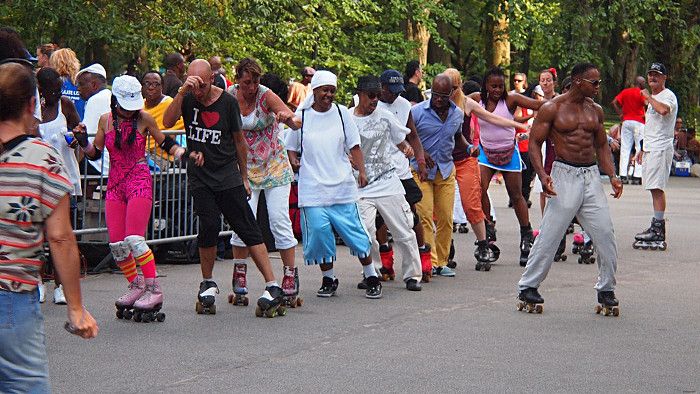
x=497, y=137
x=124, y=159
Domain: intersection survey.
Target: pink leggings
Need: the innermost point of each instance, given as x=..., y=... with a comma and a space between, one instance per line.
x=127, y=218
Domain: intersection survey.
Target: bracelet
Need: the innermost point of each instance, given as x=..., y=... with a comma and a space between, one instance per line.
x=420, y=160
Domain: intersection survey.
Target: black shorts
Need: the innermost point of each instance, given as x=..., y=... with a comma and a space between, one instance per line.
x=233, y=203
x=413, y=193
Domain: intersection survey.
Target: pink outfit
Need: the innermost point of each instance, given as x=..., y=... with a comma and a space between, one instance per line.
x=497, y=137
x=129, y=175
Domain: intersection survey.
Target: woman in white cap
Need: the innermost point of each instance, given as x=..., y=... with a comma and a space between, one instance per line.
x=327, y=188
x=129, y=196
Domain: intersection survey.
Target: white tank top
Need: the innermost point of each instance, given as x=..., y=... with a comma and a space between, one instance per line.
x=53, y=133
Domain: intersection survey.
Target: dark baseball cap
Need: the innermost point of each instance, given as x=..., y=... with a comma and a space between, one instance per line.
x=368, y=83
x=394, y=80
x=657, y=68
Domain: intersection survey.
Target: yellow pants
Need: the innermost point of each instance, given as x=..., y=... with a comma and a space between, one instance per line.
x=438, y=203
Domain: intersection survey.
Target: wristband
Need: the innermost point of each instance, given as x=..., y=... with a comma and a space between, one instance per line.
x=167, y=144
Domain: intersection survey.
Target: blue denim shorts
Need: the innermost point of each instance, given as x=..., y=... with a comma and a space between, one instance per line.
x=318, y=223
x=23, y=361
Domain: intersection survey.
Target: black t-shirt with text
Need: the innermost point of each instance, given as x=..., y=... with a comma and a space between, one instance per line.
x=210, y=131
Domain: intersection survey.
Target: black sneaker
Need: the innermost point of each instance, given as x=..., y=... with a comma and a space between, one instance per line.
x=607, y=298
x=328, y=287
x=413, y=285
x=362, y=285
x=374, y=287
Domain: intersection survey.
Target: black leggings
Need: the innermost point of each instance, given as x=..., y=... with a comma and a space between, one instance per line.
x=233, y=203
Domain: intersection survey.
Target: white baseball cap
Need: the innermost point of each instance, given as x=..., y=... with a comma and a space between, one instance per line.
x=127, y=91
x=93, y=69
x=538, y=90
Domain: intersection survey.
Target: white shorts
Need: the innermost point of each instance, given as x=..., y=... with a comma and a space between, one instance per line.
x=656, y=168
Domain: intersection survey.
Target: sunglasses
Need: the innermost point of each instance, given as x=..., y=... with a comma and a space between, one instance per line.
x=151, y=84
x=518, y=80
x=372, y=95
x=441, y=95
x=595, y=83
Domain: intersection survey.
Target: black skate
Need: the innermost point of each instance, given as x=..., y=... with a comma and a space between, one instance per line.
x=374, y=288
x=561, y=250
x=328, y=287
x=608, y=304
x=205, y=304
x=653, y=238
x=450, y=259
x=270, y=303
x=463, y=229
x=586, y=253
x=362, y=285
x=530, y=300
x=491, y=238
x=483, y=256
x=526, y=240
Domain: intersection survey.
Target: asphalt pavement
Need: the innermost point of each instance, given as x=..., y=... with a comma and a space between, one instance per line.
x=459, y=334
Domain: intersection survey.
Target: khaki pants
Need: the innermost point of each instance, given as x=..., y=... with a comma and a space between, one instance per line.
x=438, y=202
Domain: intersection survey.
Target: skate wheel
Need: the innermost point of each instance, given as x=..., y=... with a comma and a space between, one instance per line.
x=128, y=314
x=147, y=318
x=662, y=247
x=580, y=260
x=120, y=314
x=245, y=301
x=520, y=306
x=487, y=267
x=616, y=311
x=592, y=260
x=137, y=317
x=160, y=317
x=270, y=313
x=258, y=311
x=230, y=298
x=199, y=308
x=563, y=257
x=282, y=311
x=538, y=308
x=598, y=308
x=300, y=301
x=212, y=310
x=653, y=247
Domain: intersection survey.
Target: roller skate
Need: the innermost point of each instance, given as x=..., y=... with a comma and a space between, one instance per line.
x=290, y=287
x=206, y=298
x=653, y=238
x=386, y=253
x=328, y=287
x=607, y=304
x=147, y=308
x=463, y=229
x=451, y=263
x=483, y=256
x=125, y=303
x=491, y=238
x=578, y=243
x=270, y=303
x=561, y=250
x=526, y=239
x=374, y=288
x=530, y=300
x=239, y=283
x=586, y=254
x=624, y=180
x=635, y=181
x=426, y=262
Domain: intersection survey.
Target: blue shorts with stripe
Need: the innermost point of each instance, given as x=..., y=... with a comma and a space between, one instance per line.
x=317, y=225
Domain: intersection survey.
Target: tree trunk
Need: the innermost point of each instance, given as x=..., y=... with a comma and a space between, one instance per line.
x=437, y=54
x=500, y=39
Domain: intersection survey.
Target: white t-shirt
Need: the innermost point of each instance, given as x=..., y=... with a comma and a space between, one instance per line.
x=380, y=131
x=401, y=108
x=658, y=129
x=325, y=175
x=53, y=132
x=96, y=106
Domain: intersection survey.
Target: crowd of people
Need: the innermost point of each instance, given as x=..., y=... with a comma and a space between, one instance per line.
x=391, y=165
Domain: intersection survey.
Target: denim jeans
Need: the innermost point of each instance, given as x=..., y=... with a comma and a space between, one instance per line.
x=23, y=361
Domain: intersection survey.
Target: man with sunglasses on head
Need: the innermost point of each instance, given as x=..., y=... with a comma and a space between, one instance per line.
x=438, y=122
x=657, y=153
x=217, y=175
x=574, y=122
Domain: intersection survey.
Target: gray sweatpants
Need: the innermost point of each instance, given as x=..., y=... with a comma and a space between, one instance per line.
x=580, y=193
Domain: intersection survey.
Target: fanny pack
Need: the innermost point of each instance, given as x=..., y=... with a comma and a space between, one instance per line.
x=499, y=157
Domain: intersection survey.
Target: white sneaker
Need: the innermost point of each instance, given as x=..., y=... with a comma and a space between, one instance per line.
x=42, y=293
x=58, y=297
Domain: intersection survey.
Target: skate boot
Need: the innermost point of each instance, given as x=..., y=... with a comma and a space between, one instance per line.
x=483, y=256
x=578, y=243
x=270, y=303
x=636, y=181
x=653, y=238
x=530, y=300
x=451, y=263
x=608, y=304
x=125, y=303
x=374, y=288
x=239, y=284
x=526, y=240
x=290, y=287
x=491, y=238
x=328, y=287
x=426, y=263
x=624, y=180
x=586, y=254
x=463, y=229
x=206, y=298
x=561, y=250
x=387, y=255
x=147, y=308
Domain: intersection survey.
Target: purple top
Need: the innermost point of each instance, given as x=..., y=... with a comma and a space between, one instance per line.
x=497, y=137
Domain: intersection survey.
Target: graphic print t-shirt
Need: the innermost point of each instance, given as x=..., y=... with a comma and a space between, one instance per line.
x=378, y=132
x=210, y=131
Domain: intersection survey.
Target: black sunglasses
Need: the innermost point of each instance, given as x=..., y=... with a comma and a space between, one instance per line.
x=595, y=83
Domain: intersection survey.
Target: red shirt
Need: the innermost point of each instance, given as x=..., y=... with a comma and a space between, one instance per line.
x=632, y=104
x=523, y=145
